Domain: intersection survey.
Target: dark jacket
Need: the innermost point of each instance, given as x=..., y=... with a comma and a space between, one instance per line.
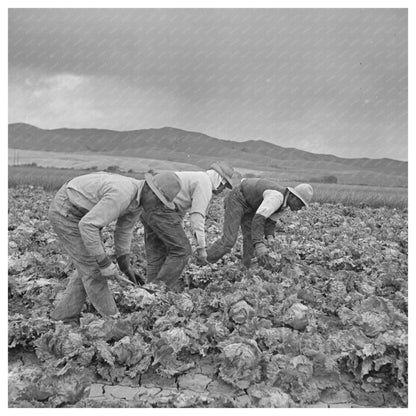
x=252, y=190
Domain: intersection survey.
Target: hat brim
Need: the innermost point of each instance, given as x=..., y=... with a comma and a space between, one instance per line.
x=228, y=184
x=293, y=191
x=220, y=171
x=149, y=180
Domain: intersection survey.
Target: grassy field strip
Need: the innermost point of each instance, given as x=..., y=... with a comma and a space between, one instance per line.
x=88, y=160
x=48, y=178
x=294, y=173
x=52, y=178
x=361, y=196
x=83, y=161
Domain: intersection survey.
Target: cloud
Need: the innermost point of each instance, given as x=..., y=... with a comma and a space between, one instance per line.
x=65, y=82
x=56, y=87
x=51, y=100
x=80, y=101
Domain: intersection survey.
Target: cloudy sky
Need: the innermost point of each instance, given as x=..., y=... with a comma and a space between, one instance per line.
x=322, y=80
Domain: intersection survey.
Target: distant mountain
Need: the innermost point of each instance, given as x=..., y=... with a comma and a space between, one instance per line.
x=192, y=147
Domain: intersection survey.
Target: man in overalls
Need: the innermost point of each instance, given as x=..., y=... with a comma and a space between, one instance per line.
x=167, y=252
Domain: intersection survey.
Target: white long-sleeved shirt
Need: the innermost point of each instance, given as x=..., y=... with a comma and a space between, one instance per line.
x=194, y=197
x=272, y=201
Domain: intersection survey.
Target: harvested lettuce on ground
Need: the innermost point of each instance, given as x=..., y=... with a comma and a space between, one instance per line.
x=240, y=361
x=297, y=316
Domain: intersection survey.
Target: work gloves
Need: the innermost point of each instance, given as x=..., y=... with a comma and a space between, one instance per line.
x=260, y=251
x=107, y=268
x=109, y=271
x=126, y=267
x=201, y=256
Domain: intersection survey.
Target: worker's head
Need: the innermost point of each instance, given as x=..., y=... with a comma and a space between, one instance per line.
x=165, y=185
x=220, y=187
x=299, y=196
x=226, y=172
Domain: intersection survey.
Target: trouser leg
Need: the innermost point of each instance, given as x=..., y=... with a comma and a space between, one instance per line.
x=155, y=251
x=248, y=248
x=88, y=280
x=98, y=292
x=233, y=213
x=167, y=227
x=72, y=301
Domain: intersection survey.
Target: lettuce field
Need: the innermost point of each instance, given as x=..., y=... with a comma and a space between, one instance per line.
x=324, y=324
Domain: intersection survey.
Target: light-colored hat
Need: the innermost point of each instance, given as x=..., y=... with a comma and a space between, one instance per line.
x=165, y=185
x=225, y=170
x=304, y=192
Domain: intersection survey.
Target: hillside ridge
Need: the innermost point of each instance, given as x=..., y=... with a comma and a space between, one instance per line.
x=174, y=144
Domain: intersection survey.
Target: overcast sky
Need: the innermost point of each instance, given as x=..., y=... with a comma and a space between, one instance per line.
x=322, y=80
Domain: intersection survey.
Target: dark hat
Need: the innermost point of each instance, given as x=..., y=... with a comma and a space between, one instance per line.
x=225, y=170
x=165, y=185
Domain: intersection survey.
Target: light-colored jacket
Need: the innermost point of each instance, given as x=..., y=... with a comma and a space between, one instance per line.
x=107, y=197
x=194, y=197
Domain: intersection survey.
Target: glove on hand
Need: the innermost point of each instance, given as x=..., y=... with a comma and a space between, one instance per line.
x=261, y=254
x=201, y=256
x=263, y=258
x=109, y=271
x=260, y=250
x=125, y=266
x=107, y=268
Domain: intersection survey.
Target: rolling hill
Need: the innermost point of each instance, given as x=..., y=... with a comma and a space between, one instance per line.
x=198, y=149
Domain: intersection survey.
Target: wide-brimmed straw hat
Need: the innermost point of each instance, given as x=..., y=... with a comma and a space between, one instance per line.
x=165, y=185
x=304, y=192
x=225, y=170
